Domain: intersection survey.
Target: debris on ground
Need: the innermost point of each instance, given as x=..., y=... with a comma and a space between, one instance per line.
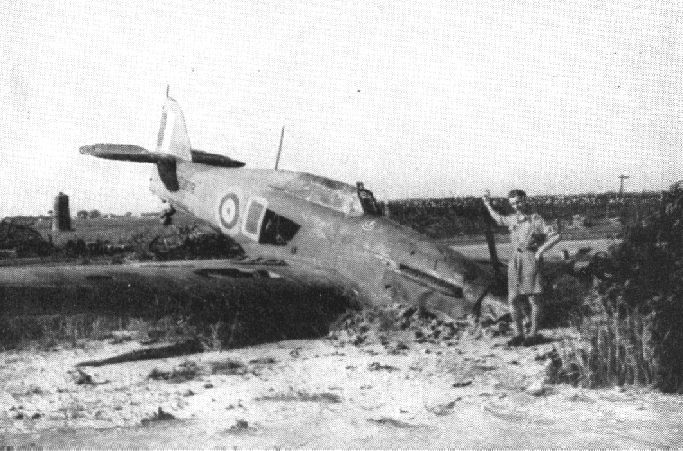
x=302, y=396
x=192, y=242
x=551, y=354
x=443, y=409
x=386, y=421
x=83, y=378
x=122, y=336
x=228, y=367
x=376, y=366
x=462, y=383
x=499, y=329
x=394, y=326
x=240, y=426
x=184, y=372
x=162, y=352
x=536, y=388
x=397, y=348
x=263, y=361
x=159, y=415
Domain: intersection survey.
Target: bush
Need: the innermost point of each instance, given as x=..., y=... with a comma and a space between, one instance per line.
x=632, y=327
x=443, y=218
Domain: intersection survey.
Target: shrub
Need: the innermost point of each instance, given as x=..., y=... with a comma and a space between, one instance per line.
x=632, y=326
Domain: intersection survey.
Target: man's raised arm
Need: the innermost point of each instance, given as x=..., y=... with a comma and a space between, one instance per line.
x=498, y=218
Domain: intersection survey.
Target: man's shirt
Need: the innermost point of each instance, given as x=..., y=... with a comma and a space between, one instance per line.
x=527, y=232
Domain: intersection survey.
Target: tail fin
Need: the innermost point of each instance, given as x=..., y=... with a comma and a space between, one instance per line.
x=173, y=138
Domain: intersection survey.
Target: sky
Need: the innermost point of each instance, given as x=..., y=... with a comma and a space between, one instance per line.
x=417, y=99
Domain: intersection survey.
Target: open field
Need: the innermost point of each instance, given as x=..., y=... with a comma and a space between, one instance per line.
x=118, y=230
x=121, y=230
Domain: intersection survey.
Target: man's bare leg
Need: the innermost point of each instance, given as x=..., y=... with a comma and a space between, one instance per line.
x=535, y=304
x=533, y=338
x=517, y=319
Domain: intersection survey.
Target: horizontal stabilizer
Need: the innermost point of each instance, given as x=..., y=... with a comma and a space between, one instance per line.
x=124, y=152
x=214, y=159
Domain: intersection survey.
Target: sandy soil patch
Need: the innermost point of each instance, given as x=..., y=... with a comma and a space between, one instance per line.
x=470, y=391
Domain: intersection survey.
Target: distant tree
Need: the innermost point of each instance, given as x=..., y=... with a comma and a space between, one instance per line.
x=128, y=214
x=82, y=214
x=94, y=214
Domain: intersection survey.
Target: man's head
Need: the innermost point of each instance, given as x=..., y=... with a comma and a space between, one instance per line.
x=360, y=185
x=517, y=199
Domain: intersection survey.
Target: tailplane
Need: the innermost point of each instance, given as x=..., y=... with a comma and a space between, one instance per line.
x=173, y=144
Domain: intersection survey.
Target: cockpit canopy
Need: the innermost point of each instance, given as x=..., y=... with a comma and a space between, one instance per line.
x=328, y=193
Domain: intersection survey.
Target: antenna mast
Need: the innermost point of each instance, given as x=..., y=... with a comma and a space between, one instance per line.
x=279, y=151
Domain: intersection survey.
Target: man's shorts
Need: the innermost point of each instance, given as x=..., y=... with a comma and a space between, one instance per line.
x=524, y=275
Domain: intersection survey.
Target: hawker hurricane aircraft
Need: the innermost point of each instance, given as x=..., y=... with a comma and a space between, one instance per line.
x=312, y=225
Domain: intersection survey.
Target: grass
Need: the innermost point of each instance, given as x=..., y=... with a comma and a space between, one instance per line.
x=614, y=349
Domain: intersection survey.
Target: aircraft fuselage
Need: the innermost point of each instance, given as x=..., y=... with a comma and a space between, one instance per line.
x=291, y=215
x=314, y=220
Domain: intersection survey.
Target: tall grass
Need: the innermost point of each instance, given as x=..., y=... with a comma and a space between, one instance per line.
x=615, y=349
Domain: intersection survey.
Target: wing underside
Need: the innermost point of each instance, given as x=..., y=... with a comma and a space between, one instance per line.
x=243, y=302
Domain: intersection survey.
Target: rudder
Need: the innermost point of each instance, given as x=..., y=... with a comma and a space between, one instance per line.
x=173, y=138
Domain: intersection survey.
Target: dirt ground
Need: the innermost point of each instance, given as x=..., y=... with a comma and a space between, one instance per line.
x=468, y=392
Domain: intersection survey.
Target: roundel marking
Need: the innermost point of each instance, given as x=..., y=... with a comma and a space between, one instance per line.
x=229, y=210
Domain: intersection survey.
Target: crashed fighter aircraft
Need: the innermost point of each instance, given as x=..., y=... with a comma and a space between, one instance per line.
x=314, y=224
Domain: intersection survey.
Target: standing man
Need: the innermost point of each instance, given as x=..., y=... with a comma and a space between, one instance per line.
x=529, y=238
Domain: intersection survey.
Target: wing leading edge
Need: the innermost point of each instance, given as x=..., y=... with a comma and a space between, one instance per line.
x=137, y=154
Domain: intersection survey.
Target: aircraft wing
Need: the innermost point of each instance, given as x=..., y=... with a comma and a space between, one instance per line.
x=260, y=300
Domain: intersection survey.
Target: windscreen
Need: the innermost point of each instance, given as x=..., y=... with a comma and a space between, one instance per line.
x=328, y=193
